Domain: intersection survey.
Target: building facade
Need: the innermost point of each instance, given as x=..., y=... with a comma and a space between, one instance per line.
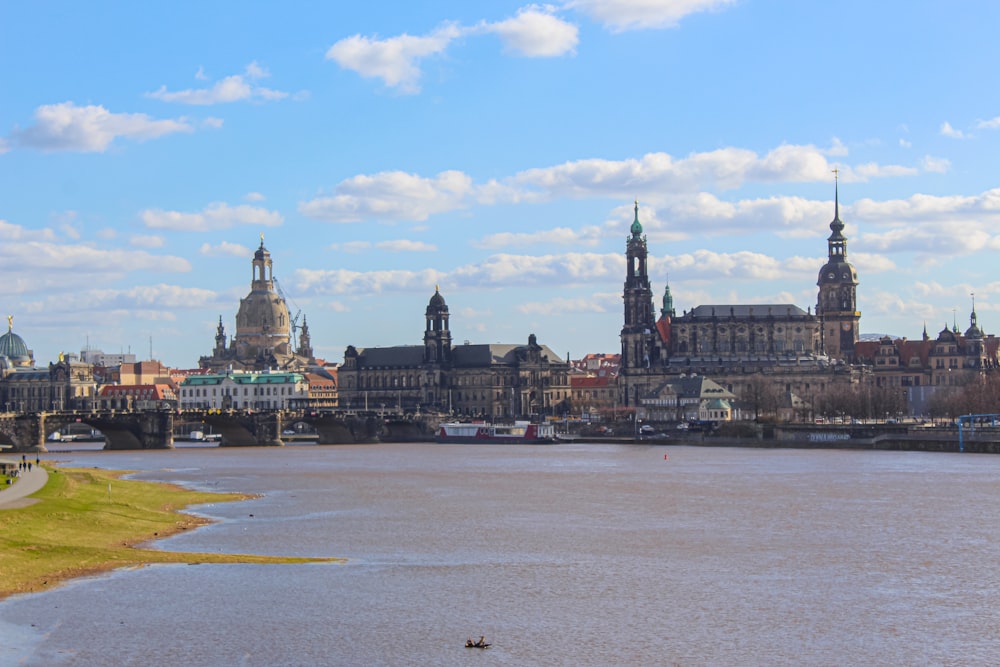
x=739, y=346
x=488, y=381
x=243, y=390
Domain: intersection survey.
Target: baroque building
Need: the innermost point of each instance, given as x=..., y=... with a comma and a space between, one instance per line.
x=487, y=380
x=739, y=345
x=264, y=329
x=66, y=385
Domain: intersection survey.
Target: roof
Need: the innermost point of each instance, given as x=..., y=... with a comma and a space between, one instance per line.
x=695, y=386
x=744, y=311
x=400, y=356
x=243, y=378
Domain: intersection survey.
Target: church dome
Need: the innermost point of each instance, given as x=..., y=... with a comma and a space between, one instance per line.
x=437, y=301
x=260, y=312
x=13, y=347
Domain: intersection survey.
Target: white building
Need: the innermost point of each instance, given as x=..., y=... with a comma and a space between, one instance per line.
x=240, y=390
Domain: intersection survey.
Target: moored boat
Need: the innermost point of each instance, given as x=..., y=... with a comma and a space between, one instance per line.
x=518, y=433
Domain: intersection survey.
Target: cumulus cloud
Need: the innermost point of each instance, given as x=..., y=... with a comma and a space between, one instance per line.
x=254, y=196
x=217, y=215
x=991, y=124
x=561, y=306
x=722, y=169
x=233, y=88
x=589, y=235
x=392, y=195
x=405, y=245
x=42, y=264
x=621, y=15
x=225, y=249
x=534, y=32
x=935, y=165
x=394, y=60
x=351, y=247
x=948, y=131
x=153, y=297
x=67, y=127
x=343, y=281
x=148, y=241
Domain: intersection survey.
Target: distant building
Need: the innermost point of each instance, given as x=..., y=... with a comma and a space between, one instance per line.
x=264, y=329
x=66, y=385
x=137, y=397
x=737, y=345
x=243, y=390
x=100, y=358
x=489, y=380
x=685, y=399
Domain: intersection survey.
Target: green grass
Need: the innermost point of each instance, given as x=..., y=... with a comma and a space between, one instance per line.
x=79, y=528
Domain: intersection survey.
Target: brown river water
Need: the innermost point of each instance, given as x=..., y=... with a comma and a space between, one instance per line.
x=576, y=554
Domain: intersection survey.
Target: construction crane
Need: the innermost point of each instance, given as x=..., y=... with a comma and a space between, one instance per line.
x=294, y=323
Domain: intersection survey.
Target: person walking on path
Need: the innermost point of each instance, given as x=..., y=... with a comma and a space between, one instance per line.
x=28, y=482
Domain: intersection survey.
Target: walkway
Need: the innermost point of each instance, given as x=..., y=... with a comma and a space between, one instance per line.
x=16, y=495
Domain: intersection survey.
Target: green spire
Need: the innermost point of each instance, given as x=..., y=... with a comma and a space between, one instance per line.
x=636, y=227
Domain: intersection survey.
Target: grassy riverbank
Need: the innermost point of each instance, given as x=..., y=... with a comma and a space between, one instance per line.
x=90, y=521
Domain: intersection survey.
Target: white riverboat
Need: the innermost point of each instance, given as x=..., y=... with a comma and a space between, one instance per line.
x=518, y=433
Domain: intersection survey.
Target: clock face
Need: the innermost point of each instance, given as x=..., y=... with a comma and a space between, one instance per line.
x=845, y=326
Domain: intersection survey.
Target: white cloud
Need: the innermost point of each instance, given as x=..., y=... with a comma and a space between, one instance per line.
x=351, y=247
x=935, y=165
x=589, y=235
x=561, y=306
x=254, y=196
x=343, y=281
x=391, y=195
x=393, y=60
x=217, y=215
x=535, y=33
x=152, y=297
x=225, y=249
x=660, y=173
x=404, y=245
x=948, y=131
x=148, y=241
x=621, y=15
x=230, y=89
x=67, y=127
x=991, y=124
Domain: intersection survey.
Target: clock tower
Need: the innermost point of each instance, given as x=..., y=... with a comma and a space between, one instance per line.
x=837, y=306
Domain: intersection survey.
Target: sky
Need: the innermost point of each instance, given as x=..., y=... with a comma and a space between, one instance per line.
x=494, y=149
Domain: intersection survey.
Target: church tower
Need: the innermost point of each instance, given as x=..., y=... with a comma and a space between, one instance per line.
x=837, y=306
x=641, y=345
x=437, y=335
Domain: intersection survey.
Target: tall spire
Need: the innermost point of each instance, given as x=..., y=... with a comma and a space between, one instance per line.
x=636, y=226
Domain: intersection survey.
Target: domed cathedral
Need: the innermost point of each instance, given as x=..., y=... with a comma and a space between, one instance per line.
x=264, y=330
x=838, y=293
x=642, y=341
x=487, y=381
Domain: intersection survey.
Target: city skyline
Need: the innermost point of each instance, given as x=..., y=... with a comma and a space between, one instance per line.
x=496, y=152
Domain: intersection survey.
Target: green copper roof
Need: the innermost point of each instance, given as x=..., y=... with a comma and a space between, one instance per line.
x=636, y=227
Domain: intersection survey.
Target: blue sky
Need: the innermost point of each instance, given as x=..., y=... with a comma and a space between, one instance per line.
x=494, y=149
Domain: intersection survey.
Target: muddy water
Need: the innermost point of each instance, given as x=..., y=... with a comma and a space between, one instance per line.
x=560, y=555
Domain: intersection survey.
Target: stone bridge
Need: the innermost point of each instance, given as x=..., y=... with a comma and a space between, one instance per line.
x=155, y=429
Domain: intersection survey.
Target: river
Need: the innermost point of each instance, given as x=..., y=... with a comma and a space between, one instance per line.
x=576, y=554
